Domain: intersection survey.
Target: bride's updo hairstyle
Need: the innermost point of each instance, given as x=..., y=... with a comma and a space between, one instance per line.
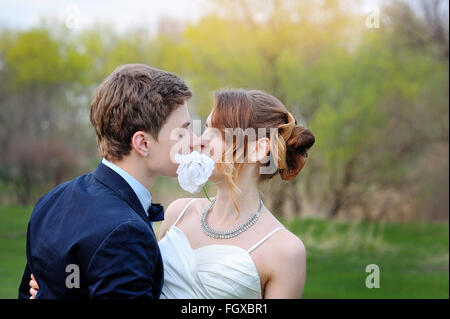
x=256, y=109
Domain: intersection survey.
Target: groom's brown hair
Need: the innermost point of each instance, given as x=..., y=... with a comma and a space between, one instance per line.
x=134, y=97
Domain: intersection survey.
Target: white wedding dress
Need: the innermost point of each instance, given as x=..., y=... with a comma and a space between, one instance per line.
x=209, y=272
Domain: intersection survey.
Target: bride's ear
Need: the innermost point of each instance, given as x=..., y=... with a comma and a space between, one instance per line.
x=141, y=142
x=259, y=150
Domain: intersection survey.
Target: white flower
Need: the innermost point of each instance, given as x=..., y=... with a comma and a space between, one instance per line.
x=193, y=170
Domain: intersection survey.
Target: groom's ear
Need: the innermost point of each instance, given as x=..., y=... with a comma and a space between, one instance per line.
x=141, y=143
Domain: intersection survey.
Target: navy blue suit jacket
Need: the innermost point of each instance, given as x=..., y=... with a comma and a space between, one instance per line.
x=96, y=223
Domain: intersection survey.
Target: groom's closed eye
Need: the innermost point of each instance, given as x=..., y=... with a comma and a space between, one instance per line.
x=186, y=125
x=183, y=129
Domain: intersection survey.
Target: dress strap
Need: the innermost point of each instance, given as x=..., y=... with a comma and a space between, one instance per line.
x=265, y=238
x=183, y=211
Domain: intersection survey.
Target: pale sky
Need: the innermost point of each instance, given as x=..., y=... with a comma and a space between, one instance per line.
x=124, y=14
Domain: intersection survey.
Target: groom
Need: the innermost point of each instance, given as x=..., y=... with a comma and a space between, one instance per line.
x=92, y=237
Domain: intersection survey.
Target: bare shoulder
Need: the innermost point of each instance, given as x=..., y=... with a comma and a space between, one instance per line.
x=174, y=209
x=287, y=268
x=287, y=245
x=289, y=248
x=171, y=214
x=199, y=205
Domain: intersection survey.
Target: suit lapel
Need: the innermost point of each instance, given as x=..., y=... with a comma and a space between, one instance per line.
x=114, y=181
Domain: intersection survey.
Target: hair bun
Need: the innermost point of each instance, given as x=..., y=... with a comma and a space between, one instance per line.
x=299, y=142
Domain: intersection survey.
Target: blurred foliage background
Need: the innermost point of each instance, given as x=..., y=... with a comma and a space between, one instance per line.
x=376, y=99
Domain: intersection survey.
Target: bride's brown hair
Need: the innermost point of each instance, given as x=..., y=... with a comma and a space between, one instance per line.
x=258, y=110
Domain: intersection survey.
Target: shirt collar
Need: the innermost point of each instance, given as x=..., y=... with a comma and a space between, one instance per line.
x=142, y=193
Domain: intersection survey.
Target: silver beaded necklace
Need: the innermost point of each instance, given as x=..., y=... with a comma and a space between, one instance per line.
x=229, y=233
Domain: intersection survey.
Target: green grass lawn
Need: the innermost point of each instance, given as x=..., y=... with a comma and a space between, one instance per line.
x=413, y=258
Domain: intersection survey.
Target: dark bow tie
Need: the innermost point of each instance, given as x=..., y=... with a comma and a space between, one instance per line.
x=156, y=212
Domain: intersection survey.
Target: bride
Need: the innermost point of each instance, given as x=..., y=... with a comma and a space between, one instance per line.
x=233, y=247
x=260, y=259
